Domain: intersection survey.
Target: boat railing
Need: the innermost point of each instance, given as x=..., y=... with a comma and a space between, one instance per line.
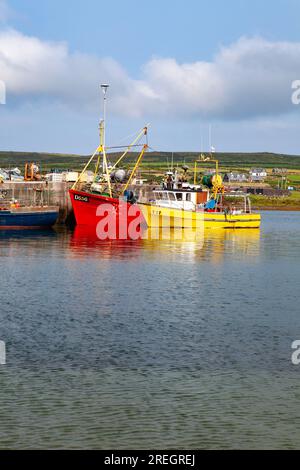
x=234, y=203
x=28, y=198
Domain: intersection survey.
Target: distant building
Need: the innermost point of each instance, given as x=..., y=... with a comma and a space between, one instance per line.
x=234, y=177
x=258, y=174
x=279, y=171
x=139, y=181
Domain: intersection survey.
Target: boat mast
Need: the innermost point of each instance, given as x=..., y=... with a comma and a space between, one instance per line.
x=102, y=148
x=102, y=126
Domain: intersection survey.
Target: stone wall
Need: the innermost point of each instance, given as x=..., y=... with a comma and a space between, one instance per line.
x=51, y=194
x=38, y=193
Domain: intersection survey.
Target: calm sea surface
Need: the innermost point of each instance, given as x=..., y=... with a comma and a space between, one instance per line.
x=151, y=344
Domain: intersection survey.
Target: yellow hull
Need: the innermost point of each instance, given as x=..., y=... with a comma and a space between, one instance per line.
x=158, y=216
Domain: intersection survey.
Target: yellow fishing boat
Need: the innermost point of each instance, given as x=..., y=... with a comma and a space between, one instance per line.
x=181, y=205
x=179, y=209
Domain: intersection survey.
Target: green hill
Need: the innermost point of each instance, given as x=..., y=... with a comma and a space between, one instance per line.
x=153, y=160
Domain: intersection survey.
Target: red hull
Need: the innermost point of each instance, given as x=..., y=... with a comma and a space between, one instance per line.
x=93, y=210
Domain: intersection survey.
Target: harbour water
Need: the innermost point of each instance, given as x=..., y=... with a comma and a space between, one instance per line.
x=151, y=344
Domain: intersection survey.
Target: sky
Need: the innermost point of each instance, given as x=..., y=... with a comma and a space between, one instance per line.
x=180, y=66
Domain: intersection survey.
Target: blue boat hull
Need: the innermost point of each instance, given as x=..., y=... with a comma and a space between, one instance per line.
x=24, y=220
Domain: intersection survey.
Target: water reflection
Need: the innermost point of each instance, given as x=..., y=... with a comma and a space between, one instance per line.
x=26, y=234
x=106, y=338
x=181, y=246
x=187, y=246
x=25, y=242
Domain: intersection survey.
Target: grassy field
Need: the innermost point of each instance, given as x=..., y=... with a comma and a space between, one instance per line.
x=291, y=202
x=156, y=161
x=155, y=164
x=238, y=161
x=45, y=160
x=294, y=179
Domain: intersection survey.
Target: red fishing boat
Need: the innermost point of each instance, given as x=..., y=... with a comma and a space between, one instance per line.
x=108, y=204
x=109, y=217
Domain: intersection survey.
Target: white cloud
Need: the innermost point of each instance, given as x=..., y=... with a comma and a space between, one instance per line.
x=34, y=68
x=251, y=77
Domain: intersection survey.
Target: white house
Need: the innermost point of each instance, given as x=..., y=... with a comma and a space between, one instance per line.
x=234, y=177
x=258, y=174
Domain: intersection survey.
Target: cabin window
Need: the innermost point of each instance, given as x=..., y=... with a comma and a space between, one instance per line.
x=188, y=197
x=179, y=196
x=165, y=196
x=172, y=197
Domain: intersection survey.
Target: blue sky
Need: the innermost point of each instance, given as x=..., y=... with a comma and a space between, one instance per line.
x=180, y=65
x=132, y=31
